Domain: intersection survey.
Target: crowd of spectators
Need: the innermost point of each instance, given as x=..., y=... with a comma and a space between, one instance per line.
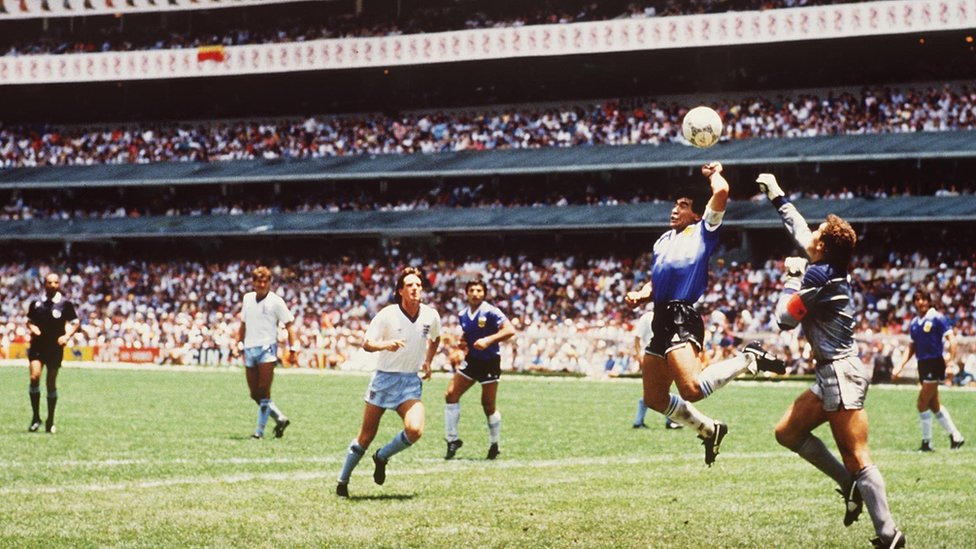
x=568, y=309
x=288, y=26
x=871, y=110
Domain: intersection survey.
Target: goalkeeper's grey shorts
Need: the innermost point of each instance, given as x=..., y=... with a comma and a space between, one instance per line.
x=841, y=384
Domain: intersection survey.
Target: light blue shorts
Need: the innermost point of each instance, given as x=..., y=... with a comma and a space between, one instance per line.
x=391, y=389
x=260, y=355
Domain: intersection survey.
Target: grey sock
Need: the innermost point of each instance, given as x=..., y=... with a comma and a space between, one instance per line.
x=814, y=451
x=872, y=487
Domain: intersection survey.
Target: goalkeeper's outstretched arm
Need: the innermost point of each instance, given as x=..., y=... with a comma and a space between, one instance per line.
x=794, y=222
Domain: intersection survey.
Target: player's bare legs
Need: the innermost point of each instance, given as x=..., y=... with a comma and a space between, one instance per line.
x=371, y=423
x=414, y=416
x=488, y=393
x=456, y=388
x=685, y=366
x=928, y=398
x=656, y=378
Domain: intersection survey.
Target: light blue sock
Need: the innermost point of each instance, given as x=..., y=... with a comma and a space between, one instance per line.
x=641, y=412
x=395, y=446
x=263, y=412
x=355, y=454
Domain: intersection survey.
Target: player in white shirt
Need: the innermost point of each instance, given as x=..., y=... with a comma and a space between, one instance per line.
x=406, y=335
x=261, y=312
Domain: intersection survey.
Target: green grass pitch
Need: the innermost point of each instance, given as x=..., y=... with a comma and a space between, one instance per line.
x=163, y=459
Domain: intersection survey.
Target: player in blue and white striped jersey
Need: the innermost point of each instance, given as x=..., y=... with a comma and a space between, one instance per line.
x=930, y=331
x=484, y=326
x=678, y=279
x=818, y=297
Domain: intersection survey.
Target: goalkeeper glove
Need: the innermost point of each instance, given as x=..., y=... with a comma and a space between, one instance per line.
x=769, y=186
x=793, y=269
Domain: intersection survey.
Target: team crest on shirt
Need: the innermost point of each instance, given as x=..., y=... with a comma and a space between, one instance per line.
x=426, y=330
x=927, y=327
x=57, y=314
x=482, y=321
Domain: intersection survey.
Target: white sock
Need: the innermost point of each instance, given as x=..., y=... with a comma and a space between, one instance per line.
x=275, y=412
x=925, y=420
x=494, y=427
x=452, y=416
x=684, y=413
x=718, y=375
x=945, y=420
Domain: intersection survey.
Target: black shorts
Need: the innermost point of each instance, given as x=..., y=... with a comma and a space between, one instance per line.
x=482, y=370
x=50, y=357
x=675, y=323
x=931, y=370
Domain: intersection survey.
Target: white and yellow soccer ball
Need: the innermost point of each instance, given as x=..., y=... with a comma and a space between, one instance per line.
x=702, y=127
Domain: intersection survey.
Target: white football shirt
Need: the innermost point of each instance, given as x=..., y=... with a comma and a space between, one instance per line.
x=643, y=329
x=261, y=318
x=391, y=323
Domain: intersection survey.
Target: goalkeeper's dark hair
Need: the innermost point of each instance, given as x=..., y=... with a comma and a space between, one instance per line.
x=839, y=240
x=699, y=197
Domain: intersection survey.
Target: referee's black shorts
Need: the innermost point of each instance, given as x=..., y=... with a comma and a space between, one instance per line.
x=675, y=323
x=49, y=356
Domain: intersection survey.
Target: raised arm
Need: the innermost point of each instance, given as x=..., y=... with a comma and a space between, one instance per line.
x=720, y=187
x=794, y=222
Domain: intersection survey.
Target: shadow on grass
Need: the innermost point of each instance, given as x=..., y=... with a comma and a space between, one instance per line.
x=382, y=497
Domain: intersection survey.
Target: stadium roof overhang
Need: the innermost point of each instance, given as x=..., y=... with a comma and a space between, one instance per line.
x=464, y=221
x=758, y=152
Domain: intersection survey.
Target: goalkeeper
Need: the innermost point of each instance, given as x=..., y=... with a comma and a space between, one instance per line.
x=818, y=297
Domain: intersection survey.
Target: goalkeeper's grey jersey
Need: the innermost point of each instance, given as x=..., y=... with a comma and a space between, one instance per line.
x=829, y=323
x=826, y=294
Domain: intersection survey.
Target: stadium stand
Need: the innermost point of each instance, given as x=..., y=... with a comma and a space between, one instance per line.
x=559, y=209
x=869, y=111
x=178, y=24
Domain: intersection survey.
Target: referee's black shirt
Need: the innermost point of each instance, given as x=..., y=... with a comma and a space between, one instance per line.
x=51, y=316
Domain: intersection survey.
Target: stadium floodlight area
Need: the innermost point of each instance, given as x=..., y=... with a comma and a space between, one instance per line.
x=38, y=9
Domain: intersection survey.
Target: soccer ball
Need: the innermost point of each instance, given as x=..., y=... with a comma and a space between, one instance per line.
x=702, y=127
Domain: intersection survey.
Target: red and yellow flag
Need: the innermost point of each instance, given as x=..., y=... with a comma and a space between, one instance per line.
x=210, y=53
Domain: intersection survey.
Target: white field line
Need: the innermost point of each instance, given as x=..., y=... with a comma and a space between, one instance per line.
x=427, y=467
x=793, y=385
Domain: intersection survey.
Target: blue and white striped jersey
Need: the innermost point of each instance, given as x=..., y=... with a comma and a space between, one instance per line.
x=680, y=270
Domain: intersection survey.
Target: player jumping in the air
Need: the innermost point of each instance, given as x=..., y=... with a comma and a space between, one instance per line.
x=678, y=279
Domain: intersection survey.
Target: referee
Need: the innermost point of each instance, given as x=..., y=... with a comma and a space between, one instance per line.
x=51, y=322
